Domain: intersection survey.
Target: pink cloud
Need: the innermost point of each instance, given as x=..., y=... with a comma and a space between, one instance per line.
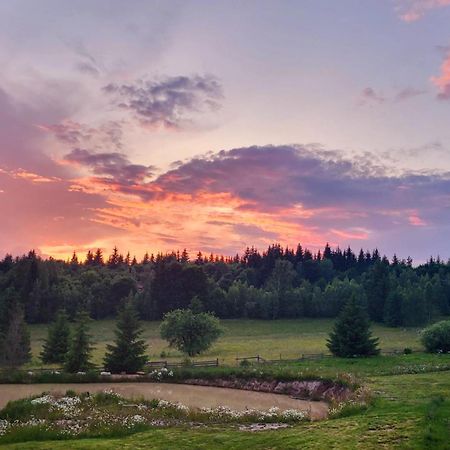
x=442, y=82
x=416, y=221
x=413, y=10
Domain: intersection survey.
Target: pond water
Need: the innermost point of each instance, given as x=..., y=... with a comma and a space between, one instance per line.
x=192, y=396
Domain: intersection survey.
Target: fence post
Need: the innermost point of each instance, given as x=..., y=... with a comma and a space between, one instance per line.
x=217, y=362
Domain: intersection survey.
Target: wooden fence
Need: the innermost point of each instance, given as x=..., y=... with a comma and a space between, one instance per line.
x=303, y=357
x=173, y=365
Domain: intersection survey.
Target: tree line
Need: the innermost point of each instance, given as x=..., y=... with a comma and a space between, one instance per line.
x=276, y=283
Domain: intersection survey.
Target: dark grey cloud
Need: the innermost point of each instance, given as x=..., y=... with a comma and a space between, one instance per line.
x=275, y=178
x=371, y=96
x=407, y=93
x=79, y=134
x=113, y=165
x=168, y=102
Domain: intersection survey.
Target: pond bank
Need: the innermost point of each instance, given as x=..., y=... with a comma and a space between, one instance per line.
x=194, y=396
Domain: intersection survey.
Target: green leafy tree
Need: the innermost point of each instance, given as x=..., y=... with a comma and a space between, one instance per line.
x=190, y=333
x=15, y=341
x=57, y=343
x=127, y=354
x=80, y=347
x=351, y=335
x=436, y=337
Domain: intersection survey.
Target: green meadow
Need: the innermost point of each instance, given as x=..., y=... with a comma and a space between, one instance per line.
x=410, y=410
x=270, y=339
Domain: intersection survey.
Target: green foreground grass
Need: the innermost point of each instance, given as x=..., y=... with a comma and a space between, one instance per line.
x=270, y=339
x=411, y=409
x=410, y=412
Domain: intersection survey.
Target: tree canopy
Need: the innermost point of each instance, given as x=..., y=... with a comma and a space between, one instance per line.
x=191, y=333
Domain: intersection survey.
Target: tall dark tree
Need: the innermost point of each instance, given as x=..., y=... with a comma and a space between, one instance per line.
x=377, y=288
x=15, y=347
x=89, y=261
x=57, y=343
x=127, y=354
x=351, y=335
x=98, y=257
x=80, y=347
x=393, y=308
x=113, y=259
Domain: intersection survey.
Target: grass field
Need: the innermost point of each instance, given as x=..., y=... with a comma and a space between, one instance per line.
x=412, y=392
x=411, y=411
x=270, y=339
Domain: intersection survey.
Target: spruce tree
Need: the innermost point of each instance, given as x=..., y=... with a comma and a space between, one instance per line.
x=351, y=335
x=15, y=347
x=57, y=342
x=80, y=348
x=127, y=354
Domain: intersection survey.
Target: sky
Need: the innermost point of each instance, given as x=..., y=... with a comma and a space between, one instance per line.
x=213, y=126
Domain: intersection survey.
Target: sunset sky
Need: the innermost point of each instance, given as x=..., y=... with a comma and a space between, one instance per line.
x=213, y=125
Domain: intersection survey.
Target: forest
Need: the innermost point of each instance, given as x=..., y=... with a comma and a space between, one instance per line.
x=277, y=283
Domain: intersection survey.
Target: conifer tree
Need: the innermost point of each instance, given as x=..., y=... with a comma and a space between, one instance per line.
x=57, y=343
x=80, y=347
x=351, y=335
x=89, y=259
x=127, y=354
x=15, y=347
x=98, y=258
x=113, y=259
x=74, y=260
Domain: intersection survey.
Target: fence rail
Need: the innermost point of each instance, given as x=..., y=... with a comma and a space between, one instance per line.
x=173, y=365
x=307, y=356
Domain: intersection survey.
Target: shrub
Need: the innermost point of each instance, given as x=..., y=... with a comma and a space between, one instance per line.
x=436, y=338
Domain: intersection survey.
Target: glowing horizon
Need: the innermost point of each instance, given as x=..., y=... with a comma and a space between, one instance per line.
x=127, y=127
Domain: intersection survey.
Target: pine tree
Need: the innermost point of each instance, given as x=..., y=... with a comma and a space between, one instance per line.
x=393, y=308
x=80, y=348
x=74, y=260
x=98, y=258
x=351, y=335
x=15, y=347
x=57, y=343
x=146, y=259
x=113, y=259
x=89, y=259
x=127, y=354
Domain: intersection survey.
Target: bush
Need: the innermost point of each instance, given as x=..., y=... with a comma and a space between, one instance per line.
x=407, y=351
x=436, y=338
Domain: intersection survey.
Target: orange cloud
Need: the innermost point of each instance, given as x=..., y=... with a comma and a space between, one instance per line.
x=355, y=233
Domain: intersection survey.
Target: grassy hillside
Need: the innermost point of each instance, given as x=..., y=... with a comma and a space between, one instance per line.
x=290, y=338
x=410, y=412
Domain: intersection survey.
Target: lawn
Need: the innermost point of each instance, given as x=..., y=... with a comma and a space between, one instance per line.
x=410, y=411
x=270, y=339
x=405, y=415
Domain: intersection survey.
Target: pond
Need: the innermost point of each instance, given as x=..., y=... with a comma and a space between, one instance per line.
x=192, y=396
